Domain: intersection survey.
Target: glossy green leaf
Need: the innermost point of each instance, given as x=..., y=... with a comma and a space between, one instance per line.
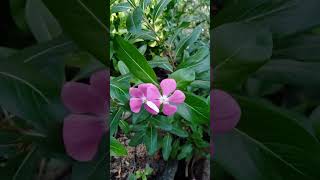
x=166, y=147
x=183, y=77
x=85, y=22
x=134, y=20
x=162, y=122
x=17, y=8
x=41, y=22
x=116, y=148
x=115, y=120
x=145, y=3
x=124, y=125
x=303, y=48
x=159, y=8
x=151, y=140
x=283, y=18
x=195, y=109
x=137, y=138
x=177, y=130
x=27, y=169
x=291, y=72
x=261, y=152
x=185, y=151
x=187, y=41
x=135, y=61
x=240, y=49
x=119, y=91
x=123, y=68
x=121, y=7
x=161, y=62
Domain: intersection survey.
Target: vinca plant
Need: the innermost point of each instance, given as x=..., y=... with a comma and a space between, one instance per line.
x=160, y=79
x=265, y=54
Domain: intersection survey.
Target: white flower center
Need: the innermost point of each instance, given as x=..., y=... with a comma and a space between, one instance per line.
x=164, y=99
x=144, y=99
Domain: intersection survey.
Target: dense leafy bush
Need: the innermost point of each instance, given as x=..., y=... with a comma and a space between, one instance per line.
x=266, y=54
x=152, y=41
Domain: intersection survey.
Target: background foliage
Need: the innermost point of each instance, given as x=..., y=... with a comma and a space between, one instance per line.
x=47, y=44
x=266, y=54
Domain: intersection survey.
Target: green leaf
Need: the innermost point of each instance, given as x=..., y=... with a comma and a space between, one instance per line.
x=315, y=119
x=302, y=48
x=161, y=62
x=6, y=52
x=185, y=151
x=195, y=109
x=141, y=116
x=159, y=8
x=283, y=18
x=121, y=7
x=162, y=122
x=27, y=168
x=291, y=72
x=166, y=147
x=135, y=61
x=199, y=62
x=41, y=22
x=116, y=148
x=17, y=8
x=124, y=126
x=132, y=3
x=131, y=177
x=85, y=22
x=177, y=130
x=261, y=152
x=151, y=140
x=145, y=35
x=240, y=49
x=123, y=68
x=134, y=20
x=183, y=77
x=145, y=3
x=137, y=138
x=115, y=120
x=187, y=41
x=119, y=91
x=175, y=149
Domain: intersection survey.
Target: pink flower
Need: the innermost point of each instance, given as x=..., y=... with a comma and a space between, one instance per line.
x=84, y=127
x=139, y=96
x=170, y=96
x=225, y=112
x=149, y=95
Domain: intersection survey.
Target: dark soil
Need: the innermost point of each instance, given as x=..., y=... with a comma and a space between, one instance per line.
x=137, y=159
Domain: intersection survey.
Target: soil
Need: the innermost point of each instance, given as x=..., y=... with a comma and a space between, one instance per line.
x=137, y=159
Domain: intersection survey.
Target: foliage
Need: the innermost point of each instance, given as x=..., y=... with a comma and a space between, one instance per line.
x=266, y=56
x=31, y=80
x=154, y=40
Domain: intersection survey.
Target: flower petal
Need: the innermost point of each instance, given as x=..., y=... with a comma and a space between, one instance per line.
x=150, y=110
x=135, y=104
x=82, y=135
x=169, y=109
x=177, y=97
x=225, y=112
x=153, y=93
x=154, y=107
x=135, y=92
x=168, y=86
x=82, y=98
x=143, y=87
x=100, y=82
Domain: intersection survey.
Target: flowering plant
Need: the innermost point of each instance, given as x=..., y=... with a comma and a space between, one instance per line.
x=159, y=81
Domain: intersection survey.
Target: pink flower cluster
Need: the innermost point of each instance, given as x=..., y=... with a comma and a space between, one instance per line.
x=149, y=95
